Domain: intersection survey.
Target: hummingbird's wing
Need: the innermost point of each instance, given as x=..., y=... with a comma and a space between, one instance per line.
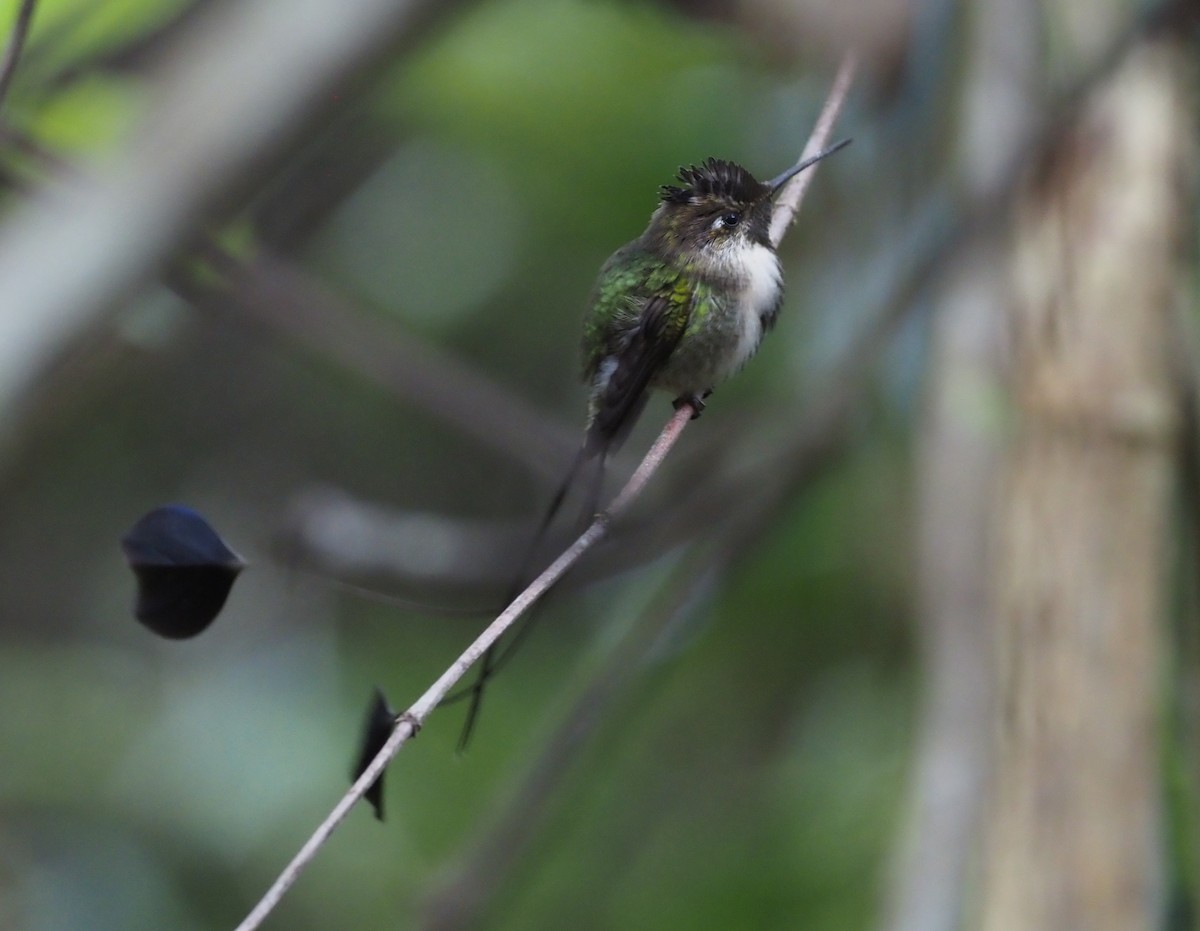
x=621, y=379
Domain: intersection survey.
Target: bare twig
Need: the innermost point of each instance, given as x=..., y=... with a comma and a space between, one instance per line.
x=410, y=721
x=462, y=901
x=788, y=202
x=16, y=43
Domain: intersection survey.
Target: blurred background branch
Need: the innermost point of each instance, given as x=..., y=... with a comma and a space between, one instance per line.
x=15, y=45
x=230, y=90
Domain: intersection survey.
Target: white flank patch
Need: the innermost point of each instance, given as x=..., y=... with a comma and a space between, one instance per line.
x=604, y=372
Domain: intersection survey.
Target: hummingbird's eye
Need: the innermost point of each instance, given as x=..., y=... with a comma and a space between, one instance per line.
x=728, y=220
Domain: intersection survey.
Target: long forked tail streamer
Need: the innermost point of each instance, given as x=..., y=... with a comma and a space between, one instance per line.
x=495, y=657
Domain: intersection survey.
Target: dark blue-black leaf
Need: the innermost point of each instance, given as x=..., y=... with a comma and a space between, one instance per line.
x=184, y=571
x=377, y=728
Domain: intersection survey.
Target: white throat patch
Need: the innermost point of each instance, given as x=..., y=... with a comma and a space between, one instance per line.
x=763, y=279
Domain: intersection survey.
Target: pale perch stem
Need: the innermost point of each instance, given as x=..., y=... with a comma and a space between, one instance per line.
x=408, y=722
x=788, y=202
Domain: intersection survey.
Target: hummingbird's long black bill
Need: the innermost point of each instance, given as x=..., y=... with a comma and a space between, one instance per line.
x=776, y=183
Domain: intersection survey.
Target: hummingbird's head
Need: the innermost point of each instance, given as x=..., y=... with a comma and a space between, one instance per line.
x=719, y=211
x=718, y=207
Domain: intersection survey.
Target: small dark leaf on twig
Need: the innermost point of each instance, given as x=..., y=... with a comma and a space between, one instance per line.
x=184, y=571
x=377, y=728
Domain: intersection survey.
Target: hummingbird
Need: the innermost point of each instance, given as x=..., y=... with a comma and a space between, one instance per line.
x=679, y=309
x=687, y=303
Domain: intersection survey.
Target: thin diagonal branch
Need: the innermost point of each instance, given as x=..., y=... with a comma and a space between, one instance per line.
x=16, y=44
x=788, y=202
x=410, y=721
x=463, y=901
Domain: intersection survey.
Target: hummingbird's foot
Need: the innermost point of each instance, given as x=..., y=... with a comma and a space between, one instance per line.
x=696, y=401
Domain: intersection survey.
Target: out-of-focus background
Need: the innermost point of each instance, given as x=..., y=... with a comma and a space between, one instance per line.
x=902, y=636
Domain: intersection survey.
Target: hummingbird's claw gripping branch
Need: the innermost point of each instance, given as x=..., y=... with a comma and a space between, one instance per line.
x=694, y=401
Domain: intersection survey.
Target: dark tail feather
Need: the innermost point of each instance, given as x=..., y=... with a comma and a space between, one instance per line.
x=493, y=659
x=606, y=432
x=476, y=693
x=591, y=504
x=556, y=504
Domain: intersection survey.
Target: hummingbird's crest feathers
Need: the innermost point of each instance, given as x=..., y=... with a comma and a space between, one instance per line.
x=716, y=179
